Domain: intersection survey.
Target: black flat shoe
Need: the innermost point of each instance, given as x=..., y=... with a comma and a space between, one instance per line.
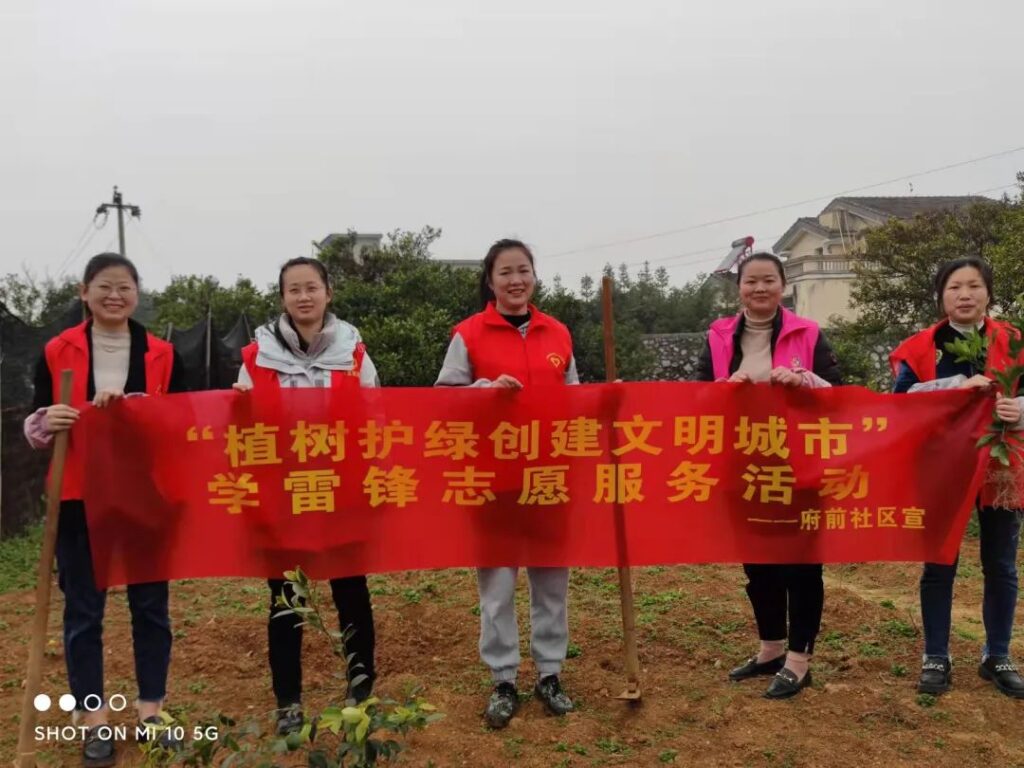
x=98, y=752
x=785, y=685
x=753, y=668
x=936, y=675
x=1002, y=672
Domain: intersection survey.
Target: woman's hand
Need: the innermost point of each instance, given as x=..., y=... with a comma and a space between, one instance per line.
x=507, y=382
x=240, y=386
x=977, y=381
x=106, y=396
x=1008, y=410
x=785, y=377
x=740, y=377
x=60, y=417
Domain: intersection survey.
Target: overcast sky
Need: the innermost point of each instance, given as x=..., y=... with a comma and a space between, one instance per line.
x=247, y=129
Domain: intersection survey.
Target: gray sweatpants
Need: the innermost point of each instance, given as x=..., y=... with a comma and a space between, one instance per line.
x=549, y=620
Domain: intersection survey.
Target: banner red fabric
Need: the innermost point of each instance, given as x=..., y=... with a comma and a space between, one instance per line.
x=349, y=481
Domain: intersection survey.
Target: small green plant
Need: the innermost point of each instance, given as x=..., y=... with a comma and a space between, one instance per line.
x=898, y=670
x=344, y=735
x=574, y=651
x=668, y=756
x=973, y=349
x=926, y=700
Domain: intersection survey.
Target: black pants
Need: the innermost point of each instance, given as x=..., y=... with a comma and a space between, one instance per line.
x=775, y=588
x=84, y=607
x=352, y=599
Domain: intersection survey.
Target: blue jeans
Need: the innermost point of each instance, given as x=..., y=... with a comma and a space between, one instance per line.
x=1000, y=531
x=84, y=606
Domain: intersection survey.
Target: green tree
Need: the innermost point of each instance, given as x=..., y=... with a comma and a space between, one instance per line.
x=894, y=292
x=187, y=298
x=37, y=301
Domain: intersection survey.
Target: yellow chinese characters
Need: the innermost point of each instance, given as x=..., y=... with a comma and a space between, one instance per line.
x=395, y=486
x=700, y=433
x=691, y=480
x=545, y=485
x=312, y=490
x=468, y=487
x=232, y=491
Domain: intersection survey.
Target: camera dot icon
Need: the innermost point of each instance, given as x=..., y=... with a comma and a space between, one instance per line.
x=41, y=702
x=66, y=703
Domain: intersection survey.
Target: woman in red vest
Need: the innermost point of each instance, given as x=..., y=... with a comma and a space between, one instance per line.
x=766, y=343
x=512, y=344
x=307, y=346
x=963, y=291
x=111, y=356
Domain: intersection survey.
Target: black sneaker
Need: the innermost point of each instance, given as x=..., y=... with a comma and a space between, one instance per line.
x=97, y=751
x=755, y=668
x=1002, y=672
x=936, y=675
x=549, y=690
x=290, y=719
x=503, y=704
x=154, y=729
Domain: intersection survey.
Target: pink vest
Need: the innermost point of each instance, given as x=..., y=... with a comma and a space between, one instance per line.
x=794, y=347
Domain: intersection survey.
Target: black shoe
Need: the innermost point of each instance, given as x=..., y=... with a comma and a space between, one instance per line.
x=360, y=692
x=154, y=729
x=785, y=685
x=754, y=668
x=98, y=752
x=549, y=690
x=290, y=719
x=503, y=704
x=1002, y=672
x=936, y=675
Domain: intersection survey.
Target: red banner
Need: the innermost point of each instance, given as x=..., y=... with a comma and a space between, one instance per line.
x=342, y=482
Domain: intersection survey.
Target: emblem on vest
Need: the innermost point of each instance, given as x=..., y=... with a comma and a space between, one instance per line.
x=556, y=360
x=795, y=363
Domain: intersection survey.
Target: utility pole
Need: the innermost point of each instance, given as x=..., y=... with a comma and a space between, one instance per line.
x=121, y=206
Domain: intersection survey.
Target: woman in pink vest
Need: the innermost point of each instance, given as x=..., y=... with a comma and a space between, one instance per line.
x=511, y=344
x=307, y=346
x=767, y=344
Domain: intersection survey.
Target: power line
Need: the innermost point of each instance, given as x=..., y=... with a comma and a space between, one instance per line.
x=720, y=249
x=773, y=209
x=83, y=240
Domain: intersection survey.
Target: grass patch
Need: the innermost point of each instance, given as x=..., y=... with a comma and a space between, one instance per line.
x=19, y=559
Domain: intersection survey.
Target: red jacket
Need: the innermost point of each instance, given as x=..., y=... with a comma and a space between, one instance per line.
x=495, y=346
x=70, y=350
x=920, y=354
x=267, y=378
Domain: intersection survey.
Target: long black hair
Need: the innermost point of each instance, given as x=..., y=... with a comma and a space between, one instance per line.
x=946, y=271
x=486, y=294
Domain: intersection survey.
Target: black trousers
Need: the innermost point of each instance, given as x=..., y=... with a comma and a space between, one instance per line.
x=352, y=599
x=776, y=590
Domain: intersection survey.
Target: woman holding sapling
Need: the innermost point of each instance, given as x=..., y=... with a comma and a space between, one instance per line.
x=964, y=350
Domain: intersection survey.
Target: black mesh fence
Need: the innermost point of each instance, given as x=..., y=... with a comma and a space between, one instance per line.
x=211, y=362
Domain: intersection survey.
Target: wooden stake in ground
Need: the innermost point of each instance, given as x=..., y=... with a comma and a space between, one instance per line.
x=632, y=692
x=26, y=754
